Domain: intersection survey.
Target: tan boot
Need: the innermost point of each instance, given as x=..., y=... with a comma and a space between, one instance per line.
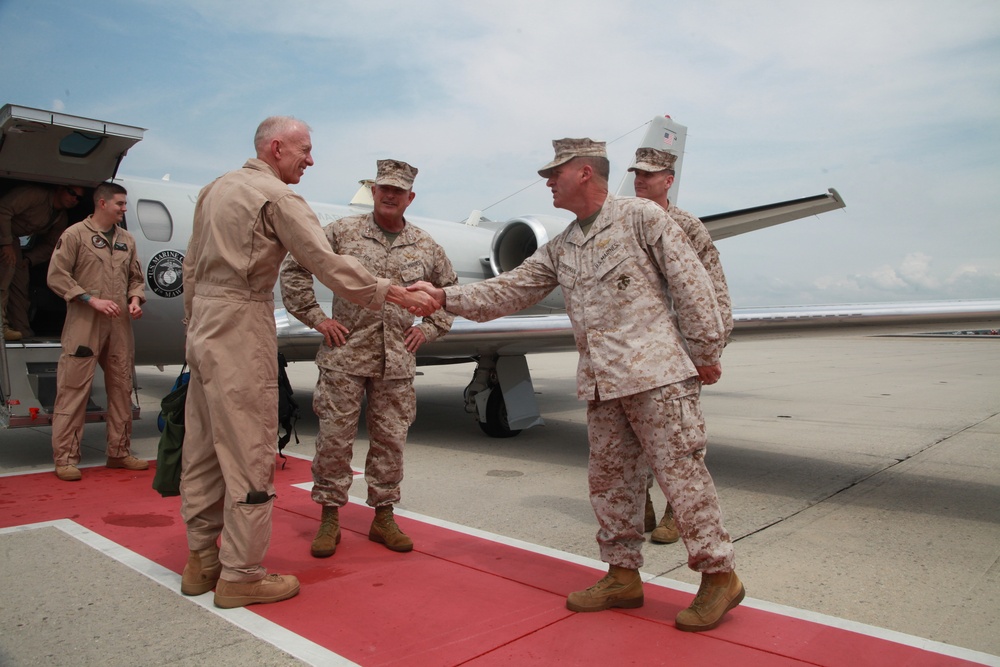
x=327, y=537
x=719, y=592
x=666, y=530
x=649, y=519
x=385, y=531
x=272, y=588
x=11, y=334
x=201, y=571
x=128, y=462
x=620, y=587
x=68, y=473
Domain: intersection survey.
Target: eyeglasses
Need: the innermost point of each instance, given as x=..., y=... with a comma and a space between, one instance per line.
x=74, y=193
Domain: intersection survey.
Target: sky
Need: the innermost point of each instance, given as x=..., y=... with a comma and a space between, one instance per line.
x=895, y=104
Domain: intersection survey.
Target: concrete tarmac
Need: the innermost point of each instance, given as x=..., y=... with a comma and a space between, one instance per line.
x=859, y=476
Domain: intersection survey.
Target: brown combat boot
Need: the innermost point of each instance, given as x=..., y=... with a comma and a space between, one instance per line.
x=385, y=531
x=201, y=571
x=11, y=334
x=719, y=592
x=272, y=588
x=620, y=587
x=649, y=519
x=128, y=462
x=666, y=531
x=327, y=537
x=68, y=473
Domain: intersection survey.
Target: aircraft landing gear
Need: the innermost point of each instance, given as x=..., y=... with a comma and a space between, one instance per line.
x=491, y=417
x=496, y=425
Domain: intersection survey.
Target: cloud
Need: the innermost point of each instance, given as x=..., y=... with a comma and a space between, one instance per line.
x=884, y=101
x=915, y=270
x=972, y=282
x=915, y=277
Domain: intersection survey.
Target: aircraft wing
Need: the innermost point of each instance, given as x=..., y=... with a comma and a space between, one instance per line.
x=526, y=334
x=514, y=335
x=927, y=317
x=733, y=223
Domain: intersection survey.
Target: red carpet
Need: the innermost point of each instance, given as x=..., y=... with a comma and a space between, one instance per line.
x=454, y=600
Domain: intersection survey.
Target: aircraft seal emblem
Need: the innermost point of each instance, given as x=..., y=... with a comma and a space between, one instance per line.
x=98, y=241
x=165, y=273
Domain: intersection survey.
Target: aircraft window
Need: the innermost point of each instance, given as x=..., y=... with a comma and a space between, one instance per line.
x=155, y=220
x=79, y=144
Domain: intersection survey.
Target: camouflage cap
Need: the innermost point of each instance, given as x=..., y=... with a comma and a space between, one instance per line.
x=651, y=159
x=567, y=149
x=395, y=173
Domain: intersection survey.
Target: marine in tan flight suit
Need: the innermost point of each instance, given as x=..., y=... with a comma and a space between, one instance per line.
x=644, y=317
x=38, y=211
x=95, y=269
x=654, y=174
x=244, y=224
x=369, y=354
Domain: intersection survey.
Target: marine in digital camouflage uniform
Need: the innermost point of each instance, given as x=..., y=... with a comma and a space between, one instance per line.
x=368, y=353
x=654, y=175
x=637, y=371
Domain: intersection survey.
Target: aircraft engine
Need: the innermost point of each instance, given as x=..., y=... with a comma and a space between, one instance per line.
x=518, y=238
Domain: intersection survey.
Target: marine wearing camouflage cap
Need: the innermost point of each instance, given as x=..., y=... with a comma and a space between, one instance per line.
x=651, y=159
x=395, y=173
x=567, y=149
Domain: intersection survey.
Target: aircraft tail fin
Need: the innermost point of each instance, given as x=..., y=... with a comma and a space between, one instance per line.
x=665, y=134
x=363, y=197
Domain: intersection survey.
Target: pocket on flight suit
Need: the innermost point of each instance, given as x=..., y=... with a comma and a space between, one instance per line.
x=252, y=525
x=77, y=369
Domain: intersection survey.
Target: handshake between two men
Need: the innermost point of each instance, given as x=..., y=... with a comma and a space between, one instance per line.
x=421, y=298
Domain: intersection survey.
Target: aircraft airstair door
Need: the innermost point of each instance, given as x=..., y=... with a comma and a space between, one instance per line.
x=29, y=382
x=28, y=385
x=51, y=147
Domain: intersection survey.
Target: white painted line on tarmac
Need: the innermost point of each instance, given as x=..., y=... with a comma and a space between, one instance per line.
x=260, y=627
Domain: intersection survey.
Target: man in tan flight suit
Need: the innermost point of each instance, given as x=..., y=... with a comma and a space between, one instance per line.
x=654, y=174
x=644, y=317
x=368, y=353
x=244, y=224
x=95, y=269
x=39, y=211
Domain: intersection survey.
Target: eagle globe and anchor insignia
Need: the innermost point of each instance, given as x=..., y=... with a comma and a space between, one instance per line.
x=165, y=273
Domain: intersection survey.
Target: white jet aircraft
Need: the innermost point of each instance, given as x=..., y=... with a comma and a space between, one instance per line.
x=50, y=147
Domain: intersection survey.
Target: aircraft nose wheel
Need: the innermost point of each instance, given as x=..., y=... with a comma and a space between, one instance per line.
x=496, y=425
